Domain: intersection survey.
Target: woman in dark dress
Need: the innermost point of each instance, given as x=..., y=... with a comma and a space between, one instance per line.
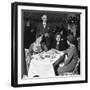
x=59, y=43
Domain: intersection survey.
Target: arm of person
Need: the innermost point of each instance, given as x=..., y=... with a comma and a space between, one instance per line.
x=70, y=56
x=59, y=61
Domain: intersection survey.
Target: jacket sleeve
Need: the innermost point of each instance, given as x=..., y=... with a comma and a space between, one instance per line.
x=70, y=54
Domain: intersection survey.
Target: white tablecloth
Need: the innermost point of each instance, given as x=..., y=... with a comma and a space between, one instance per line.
x=42, y=64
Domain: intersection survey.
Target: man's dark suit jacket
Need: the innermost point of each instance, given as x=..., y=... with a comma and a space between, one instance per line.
x=41, y=29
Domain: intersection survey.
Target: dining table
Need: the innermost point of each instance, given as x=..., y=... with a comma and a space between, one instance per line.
x=41, y=64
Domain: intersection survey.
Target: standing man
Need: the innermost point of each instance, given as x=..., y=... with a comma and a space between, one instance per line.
x=44, y=29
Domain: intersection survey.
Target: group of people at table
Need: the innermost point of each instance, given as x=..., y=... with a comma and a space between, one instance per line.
x=61, y=42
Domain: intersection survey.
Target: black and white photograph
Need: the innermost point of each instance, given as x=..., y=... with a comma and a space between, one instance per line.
x=50, y=43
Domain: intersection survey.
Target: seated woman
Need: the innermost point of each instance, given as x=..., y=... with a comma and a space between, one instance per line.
x=38, y=46
x=72, y=58
x=59, y=43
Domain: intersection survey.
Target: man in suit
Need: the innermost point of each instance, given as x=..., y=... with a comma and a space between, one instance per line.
x=44, y=28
